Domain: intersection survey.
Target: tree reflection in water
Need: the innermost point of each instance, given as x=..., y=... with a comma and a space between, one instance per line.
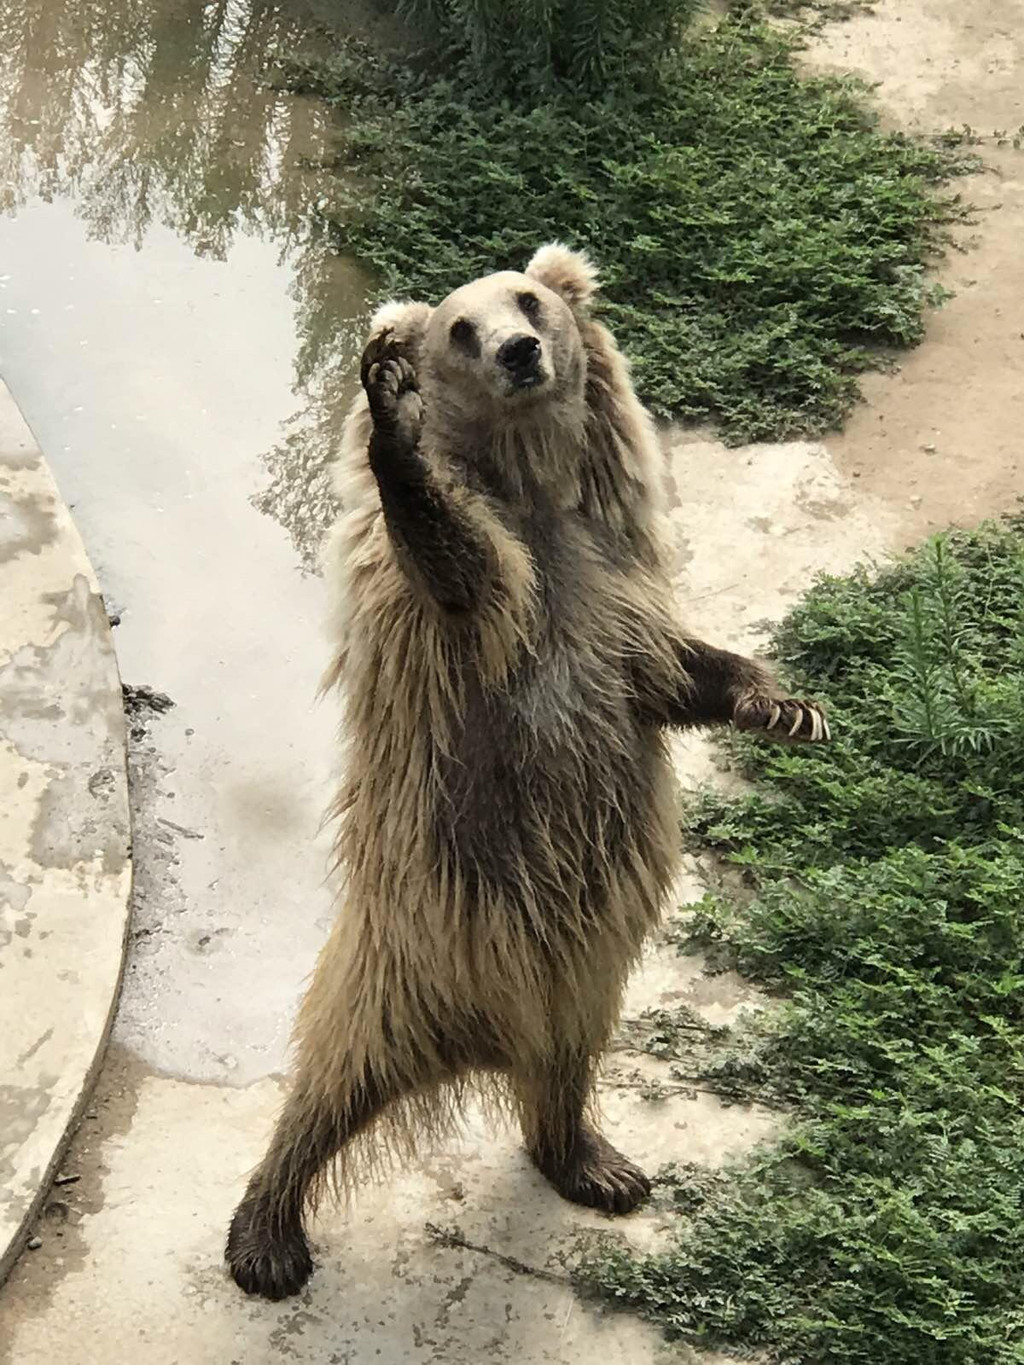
x=162, y=112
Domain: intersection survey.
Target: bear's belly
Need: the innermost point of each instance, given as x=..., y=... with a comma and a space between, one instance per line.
x=552, y=791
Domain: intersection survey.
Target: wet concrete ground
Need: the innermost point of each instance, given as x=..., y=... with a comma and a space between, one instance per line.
x=164, y=311
x=149, y=329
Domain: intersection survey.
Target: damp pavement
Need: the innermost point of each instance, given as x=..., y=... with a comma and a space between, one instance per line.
x=182, y=344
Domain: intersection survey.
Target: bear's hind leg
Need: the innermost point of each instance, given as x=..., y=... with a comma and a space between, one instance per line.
x=267, y=1251
x=581, y=1164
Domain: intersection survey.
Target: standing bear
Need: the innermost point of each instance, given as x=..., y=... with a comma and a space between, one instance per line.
x=507, y=828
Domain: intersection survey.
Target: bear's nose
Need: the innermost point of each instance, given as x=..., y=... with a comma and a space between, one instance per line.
x=519, y=354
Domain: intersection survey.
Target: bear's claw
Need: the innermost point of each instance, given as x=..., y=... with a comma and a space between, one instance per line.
x=787, y=717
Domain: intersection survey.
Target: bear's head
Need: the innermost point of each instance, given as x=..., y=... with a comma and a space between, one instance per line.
x=507, y=343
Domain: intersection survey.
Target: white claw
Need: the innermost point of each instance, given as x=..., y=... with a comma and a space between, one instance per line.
x=815, y=726
x=773, y=719
x=797, y=723
x=828, y=732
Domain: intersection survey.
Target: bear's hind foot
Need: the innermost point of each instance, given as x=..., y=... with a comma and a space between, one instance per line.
x=272, y=1266
x=596, y=1175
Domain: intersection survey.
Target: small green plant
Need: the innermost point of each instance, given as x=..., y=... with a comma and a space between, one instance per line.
x=582, y=42
x=946, y=701
x=887, y=914
x=668, y=1033
x=762, y=242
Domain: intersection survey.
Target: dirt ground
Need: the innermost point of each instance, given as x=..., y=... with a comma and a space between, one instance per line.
x=940, y=440
x=129, y=1265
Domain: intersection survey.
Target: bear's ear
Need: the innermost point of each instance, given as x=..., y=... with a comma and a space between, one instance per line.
x=570, y=274
x=408, y=322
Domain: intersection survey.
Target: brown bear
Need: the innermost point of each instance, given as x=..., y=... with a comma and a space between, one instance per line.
x=507, y=827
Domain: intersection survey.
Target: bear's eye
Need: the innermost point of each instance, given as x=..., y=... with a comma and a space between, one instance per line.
x=463, y=335
x=530, y=305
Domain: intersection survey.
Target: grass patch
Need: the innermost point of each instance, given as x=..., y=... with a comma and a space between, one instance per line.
x=886, y=879
x=762, y=240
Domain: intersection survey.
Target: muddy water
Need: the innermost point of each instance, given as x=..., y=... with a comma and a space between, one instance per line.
x=166, y=308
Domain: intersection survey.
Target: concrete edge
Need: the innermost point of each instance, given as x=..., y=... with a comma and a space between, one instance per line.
x=65, y=834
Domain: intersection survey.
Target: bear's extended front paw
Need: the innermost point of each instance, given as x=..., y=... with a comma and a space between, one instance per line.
x=782, y=717
x=391, y=389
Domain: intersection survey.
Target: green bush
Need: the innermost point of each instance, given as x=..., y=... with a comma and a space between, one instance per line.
x=584, y=42
x=761, y=241
x=887, y=875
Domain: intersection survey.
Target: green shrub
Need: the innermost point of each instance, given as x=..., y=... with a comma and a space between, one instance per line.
x=761, y=241
x=583, y=42
x=887, y=874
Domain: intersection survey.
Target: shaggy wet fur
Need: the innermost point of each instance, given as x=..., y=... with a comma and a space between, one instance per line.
x=509, y=658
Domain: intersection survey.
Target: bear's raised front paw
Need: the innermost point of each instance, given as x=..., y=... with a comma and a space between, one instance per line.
x=784, y=718
x=391, y=388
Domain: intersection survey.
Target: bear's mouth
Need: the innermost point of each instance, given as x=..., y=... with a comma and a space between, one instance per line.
x=526, y=381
